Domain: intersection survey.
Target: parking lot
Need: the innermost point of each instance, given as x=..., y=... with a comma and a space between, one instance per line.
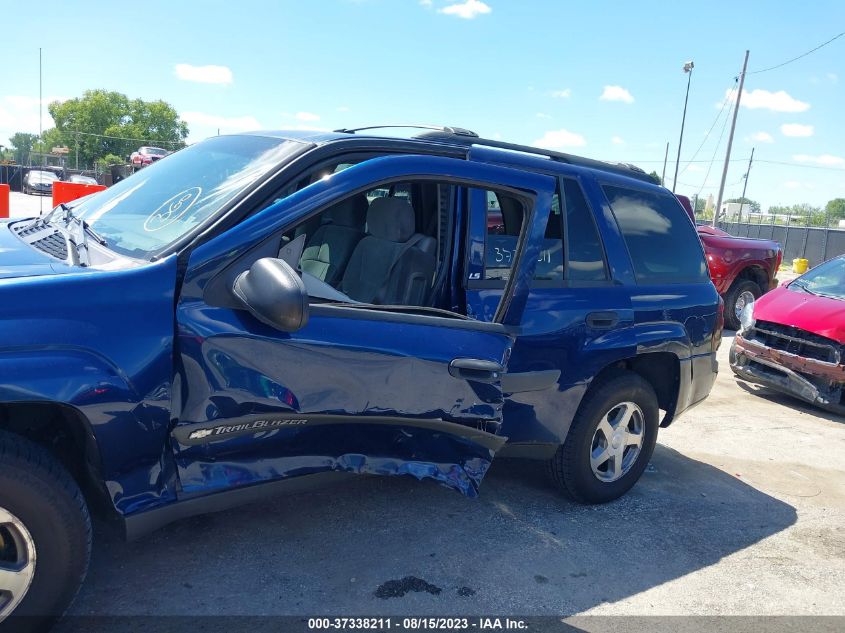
x=742, y=511
x=24, y=205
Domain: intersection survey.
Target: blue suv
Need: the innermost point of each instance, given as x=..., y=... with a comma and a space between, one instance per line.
x=263, y=311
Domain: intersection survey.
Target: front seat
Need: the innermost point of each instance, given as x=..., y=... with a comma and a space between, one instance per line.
x=328, y=250
x=392, y=265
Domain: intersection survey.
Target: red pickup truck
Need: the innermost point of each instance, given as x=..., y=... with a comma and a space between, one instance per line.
x=742, y=269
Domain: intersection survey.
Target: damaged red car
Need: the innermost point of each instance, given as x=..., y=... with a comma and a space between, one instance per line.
x=793, y=338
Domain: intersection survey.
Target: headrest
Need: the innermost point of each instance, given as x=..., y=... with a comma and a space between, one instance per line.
x=391, y=219
x=349, y=212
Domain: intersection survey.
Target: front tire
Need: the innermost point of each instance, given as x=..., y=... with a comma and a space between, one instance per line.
x=610, y=442
x=741, y=293
x=45, y=536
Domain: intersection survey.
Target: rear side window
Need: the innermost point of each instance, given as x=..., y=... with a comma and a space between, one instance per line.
x=585, y=254
x=663, y=245
x=504, y=225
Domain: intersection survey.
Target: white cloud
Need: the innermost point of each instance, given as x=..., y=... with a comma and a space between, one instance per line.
x=204, y=74
x=617, y=140
x=780, y=101
x=828, y=160
x=19, y=113
x=425, y=3
x=542, y=115
x=616, y=93
x=562, y=94
x=466, y=10
x=306, y=116
x=558, y=139
x=762, y=137
x=796, y=129
x=343, y=109
x=833, y=77
x=212, y=122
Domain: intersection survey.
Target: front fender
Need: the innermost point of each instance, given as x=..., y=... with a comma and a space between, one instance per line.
x=100, y=342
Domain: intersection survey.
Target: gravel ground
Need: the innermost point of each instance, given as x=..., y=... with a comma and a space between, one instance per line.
x=740, y=512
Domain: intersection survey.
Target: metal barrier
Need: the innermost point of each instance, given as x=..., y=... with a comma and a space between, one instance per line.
x=67, y=191
x=4, y=201
x=817, y=244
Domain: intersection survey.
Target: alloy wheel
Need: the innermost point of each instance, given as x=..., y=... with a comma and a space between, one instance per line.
x=617, y=441
x=745, y=297
x=17, y=562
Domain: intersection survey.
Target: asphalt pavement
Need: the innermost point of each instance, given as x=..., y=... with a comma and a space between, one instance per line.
x=742, y=511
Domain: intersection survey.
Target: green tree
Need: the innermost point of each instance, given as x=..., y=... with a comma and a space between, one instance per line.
x=656, y=178
x=22, y=144
x=751, y=205
x=836, y=208
x=101, y=123
x=107, y=161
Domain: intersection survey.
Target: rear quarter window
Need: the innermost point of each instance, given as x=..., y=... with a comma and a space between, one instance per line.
x=662, y=243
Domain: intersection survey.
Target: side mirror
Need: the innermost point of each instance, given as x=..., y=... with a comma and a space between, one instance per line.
x=274, y=294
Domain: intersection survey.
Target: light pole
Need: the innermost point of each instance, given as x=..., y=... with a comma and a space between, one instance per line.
x=688, y=70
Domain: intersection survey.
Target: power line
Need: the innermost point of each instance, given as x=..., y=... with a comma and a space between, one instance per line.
x=715, y=121
x=121, y=138
x=765, y=70
x=713, y=158
x=703, y=160
x=780, y=162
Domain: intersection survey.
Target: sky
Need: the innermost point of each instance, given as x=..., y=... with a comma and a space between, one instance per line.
x=602, y=79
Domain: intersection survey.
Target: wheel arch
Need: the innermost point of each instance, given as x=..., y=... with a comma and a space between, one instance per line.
x=662, y=370
x=63, y=430
x=756, y=273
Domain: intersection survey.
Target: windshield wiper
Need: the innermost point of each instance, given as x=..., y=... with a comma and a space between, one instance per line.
x=802, y=287
x=70, y=217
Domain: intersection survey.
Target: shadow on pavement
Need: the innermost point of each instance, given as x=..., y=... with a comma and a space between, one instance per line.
x=518, y=549
x=787, y=400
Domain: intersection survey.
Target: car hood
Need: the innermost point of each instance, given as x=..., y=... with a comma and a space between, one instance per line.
x=820, y=315
x=738, y=243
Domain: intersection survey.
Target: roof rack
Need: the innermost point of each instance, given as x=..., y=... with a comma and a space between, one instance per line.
x=625, y=169
x=459, y=135
x=456, y=131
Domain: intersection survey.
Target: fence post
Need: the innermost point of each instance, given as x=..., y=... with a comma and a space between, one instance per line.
x=826, y=233
x=806, y=235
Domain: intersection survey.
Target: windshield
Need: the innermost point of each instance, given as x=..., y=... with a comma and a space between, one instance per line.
x=827, y=280
x=153, y=208
x=154, y=151
x=43, y=175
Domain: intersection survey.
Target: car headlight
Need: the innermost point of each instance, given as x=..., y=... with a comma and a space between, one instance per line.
x=746, y=317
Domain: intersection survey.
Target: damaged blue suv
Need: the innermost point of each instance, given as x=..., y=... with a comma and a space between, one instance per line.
x=261, y=311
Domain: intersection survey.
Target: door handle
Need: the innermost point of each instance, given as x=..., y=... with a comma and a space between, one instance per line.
x=475, y=369
x=602, y=320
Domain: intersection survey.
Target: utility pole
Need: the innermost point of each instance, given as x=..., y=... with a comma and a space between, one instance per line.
x=730, y=142
x=665, y=158
x=745, y=184
x=688, y=70
x=40, y=128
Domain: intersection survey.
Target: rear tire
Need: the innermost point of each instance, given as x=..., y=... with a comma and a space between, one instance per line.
x=45, y=536
x=740, y=291
x=578, y=468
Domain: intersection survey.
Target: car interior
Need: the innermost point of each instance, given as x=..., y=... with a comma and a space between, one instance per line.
x=385, y=246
